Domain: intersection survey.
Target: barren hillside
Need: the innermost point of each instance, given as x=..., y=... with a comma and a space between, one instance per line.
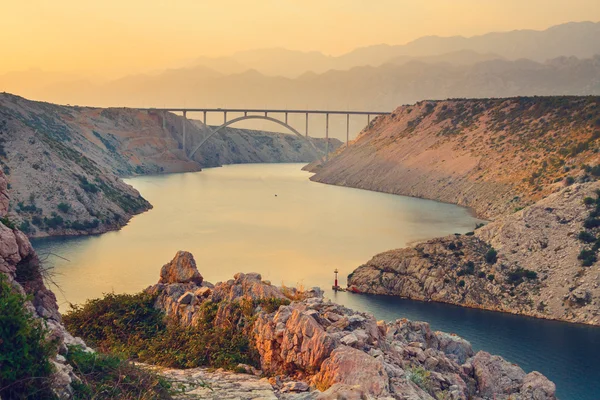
x=494, y=155
x=64, y=163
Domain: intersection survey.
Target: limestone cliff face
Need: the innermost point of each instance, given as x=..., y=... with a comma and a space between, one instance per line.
x=491, y=155
x=537, y=270
x=328, y=351
x=64, y=163
x=20, y=265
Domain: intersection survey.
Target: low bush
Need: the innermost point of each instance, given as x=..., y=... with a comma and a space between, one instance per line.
x=491, y=256
x=516, y=277
x=131, y=326
x=110, y=377
x=588, y=257
x=25, y=371
x=586, y=237
x=63, y=207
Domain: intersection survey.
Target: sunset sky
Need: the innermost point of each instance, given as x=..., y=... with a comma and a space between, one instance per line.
x=114, y=37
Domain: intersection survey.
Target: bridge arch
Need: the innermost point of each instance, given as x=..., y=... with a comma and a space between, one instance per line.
x=264, y=117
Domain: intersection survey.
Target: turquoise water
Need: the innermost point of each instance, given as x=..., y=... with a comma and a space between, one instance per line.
x=270, y=218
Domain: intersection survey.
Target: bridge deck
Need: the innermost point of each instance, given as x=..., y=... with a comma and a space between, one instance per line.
x=256, y=110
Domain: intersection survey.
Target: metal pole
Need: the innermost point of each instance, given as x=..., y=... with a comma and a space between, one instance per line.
x=347, y=129
x=326, y=137
x=286, y=118
x=224, y=117
x=306, y=134
x=204, y=117
x=368, y=119
x=164, y=122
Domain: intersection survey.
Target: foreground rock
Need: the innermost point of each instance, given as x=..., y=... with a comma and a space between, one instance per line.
x=321, y=350
x=537, y=270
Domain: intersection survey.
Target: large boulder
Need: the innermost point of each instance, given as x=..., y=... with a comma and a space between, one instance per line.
x=350, y=366
x=182, y=269
x=495, y=375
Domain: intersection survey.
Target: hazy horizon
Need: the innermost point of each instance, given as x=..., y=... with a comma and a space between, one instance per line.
x=113, y=39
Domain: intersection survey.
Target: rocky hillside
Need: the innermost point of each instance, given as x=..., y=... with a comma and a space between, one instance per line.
x=540, y=261
x=493, y=155
x=311, y=348
x=64, y=163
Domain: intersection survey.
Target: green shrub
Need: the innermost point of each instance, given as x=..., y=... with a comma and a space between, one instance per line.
x=131, y=326
x=569, y=180
x=24, y=350
x=7, y=222
x=481, y=274
x=491, y=277
x=469, y=233
x=461, y=283
x=110, y=377
x=516, y=277
x=586, y=237
x=591, y=222
x=63, y=207
x=491, y=256
x=588, y=201
x=587, y=257
x=419, y=376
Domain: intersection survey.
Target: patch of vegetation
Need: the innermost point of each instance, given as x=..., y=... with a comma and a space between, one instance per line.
x=131, y=326
x=491, y=256
x=87, y=186
x=419, y=376
x=25, y=371
x=7, y=222
x=106, y=142
x=491, y=277
x=588, y=257
x=63, y=207
x=108, y=377
x=517, y=277
x=590, y=236
x=461, y=283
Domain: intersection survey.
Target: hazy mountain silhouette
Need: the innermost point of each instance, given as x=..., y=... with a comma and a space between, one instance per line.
x=579, y=39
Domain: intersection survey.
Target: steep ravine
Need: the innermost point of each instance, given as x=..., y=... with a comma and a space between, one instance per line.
x=64, y=163
x=529, y=164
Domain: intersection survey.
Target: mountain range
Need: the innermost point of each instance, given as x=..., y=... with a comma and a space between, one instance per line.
x=560, y=60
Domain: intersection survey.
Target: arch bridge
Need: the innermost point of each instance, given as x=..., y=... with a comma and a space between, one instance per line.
x=263, y=114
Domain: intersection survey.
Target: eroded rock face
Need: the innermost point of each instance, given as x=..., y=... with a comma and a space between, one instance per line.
x=20, y=265
x=181, y=269
x=334, y=352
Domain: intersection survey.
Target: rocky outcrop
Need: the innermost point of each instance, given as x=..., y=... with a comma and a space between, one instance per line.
x=182, y=269
x=64, y=163
x=327, y=351
x=535, y=269
x=492, y=155
x=21, y=267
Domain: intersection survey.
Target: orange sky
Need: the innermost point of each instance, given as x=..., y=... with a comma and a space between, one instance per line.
x=109, y=38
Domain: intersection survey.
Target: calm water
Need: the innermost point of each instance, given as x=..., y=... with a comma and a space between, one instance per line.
x=271, y=219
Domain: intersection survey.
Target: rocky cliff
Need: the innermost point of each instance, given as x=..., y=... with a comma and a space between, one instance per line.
x=326, y=351
x=64, y=163
x=493, y=155
x=531, y=262
x=21, y=268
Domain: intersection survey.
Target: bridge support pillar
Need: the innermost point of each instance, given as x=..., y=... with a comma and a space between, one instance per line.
x=204, y=117
x=286, y=118
x=184, y=120
x=368, y=120
x=224, y=117
x=306, y=133
x=326, y=137
x=347, y=129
